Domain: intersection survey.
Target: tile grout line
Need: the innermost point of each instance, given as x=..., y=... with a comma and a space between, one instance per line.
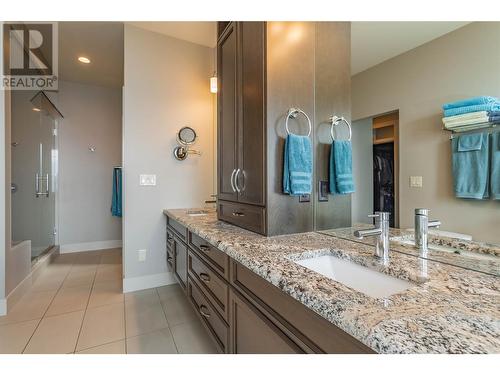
x=86, y=307
x=168, y=323
x=47, y=309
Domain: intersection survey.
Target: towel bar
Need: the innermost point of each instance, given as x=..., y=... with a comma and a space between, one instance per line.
x=293, y=112
x=335, y=120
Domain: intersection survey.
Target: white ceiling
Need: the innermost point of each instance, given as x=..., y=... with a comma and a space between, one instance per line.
x=101, y=42
x=204, y=33
x=375, y=42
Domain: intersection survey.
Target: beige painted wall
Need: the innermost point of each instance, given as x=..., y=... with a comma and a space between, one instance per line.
x=458, y=65
x=166, y=87
x=92, y=117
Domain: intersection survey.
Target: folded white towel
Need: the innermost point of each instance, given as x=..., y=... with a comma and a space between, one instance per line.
x=463, y=128
x=465, y=119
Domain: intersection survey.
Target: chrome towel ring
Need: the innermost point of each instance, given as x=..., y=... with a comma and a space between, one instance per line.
x=293, y=112
x=335, y=120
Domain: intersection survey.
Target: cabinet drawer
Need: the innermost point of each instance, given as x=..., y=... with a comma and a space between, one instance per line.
x=216, y=258
x=180, y=262
x=170, y=259
x=215, y=324
x=177, y=228
x=243, y=215
x=170, y=239
x=214, y=286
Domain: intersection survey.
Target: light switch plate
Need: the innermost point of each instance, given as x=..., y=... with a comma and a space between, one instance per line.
x=142, y=255
x=416, y=181
x=147, y=180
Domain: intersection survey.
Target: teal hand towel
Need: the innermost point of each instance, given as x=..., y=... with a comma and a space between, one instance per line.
x=116, y=202
x=470, y=166
x=494, y=106
x=471, y=101
x=297, y=169
x=341, y=179
x=495, y=165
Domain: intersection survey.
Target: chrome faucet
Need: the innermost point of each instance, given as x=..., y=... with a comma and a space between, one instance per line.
x=422, y=225
x=381, y=230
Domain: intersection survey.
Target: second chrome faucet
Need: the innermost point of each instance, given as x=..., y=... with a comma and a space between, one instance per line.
x=381, y=232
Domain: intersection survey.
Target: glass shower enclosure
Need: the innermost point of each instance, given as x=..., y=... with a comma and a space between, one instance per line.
x=34, y=172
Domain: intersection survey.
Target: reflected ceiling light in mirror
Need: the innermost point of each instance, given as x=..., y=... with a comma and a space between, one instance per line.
x=213, y=84
x=84, y=60
x=36, y=109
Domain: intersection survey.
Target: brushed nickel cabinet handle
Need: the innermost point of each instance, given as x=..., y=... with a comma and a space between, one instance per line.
x=232, y=180
x=236, y=185
x=205, y=277
x=205, y=248
x=238, y=214
x=204, y=313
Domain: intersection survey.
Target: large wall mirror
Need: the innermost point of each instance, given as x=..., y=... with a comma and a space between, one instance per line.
x=403, y=150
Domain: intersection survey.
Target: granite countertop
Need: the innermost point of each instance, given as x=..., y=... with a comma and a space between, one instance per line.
x=448, y=310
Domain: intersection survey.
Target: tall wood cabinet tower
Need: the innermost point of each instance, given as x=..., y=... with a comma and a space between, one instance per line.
x=263, y=69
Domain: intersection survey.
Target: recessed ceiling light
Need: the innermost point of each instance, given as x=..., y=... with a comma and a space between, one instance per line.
x=36, y=109
x=84, y=60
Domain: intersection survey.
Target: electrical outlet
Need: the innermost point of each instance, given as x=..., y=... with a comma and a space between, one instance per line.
x=142, y=255
x=416, y=181
x=147, y=180
x=304, y=198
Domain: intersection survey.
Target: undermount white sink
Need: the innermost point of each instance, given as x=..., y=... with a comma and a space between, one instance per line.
x=365, y=280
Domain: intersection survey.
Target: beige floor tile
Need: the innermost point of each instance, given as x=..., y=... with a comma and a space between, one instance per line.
x=143, y=318
x=105, y=293
x=79, y=278
x=102, y=325
x=70, y=299
x=191, y=338
x=178, y=310
x=117, y=347
x=31, y=306
x=146, y=296
x=111, y=258
x=89, y=258
x=158, y=342
x=168, y=291
x=48, y=281
x=14, y=337
x=56, y=334
x=108, y=272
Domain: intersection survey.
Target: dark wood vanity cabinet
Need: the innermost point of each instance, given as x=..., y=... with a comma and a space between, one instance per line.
x=244, y=313
x=241, y=122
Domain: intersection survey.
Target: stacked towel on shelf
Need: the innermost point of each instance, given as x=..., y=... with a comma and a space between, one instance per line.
x=472, y=113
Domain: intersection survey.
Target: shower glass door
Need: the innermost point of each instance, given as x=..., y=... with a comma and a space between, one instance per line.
x=34, y=172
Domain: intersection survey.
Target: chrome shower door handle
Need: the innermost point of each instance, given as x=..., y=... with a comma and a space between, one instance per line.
x=232, y=180
x=47, y=185
x=37, y=185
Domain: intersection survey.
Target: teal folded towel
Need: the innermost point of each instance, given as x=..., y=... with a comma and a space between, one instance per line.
x=341, y=180
x=470, y=166
x=116, y=202
x=495, y=165
x=297, y=169
x=471, y=101
x=494, y=106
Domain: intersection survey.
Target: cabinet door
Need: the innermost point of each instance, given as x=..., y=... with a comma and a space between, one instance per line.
x=180, y=262
x=251, y=125
x=227, y=115
x=253, y=333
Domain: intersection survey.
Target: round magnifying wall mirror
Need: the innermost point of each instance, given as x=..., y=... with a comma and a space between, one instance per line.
x=186, y=136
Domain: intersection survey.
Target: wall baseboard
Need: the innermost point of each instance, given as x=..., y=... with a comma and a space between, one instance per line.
x=89, y=246
x=132, y=284
x=3, y=306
